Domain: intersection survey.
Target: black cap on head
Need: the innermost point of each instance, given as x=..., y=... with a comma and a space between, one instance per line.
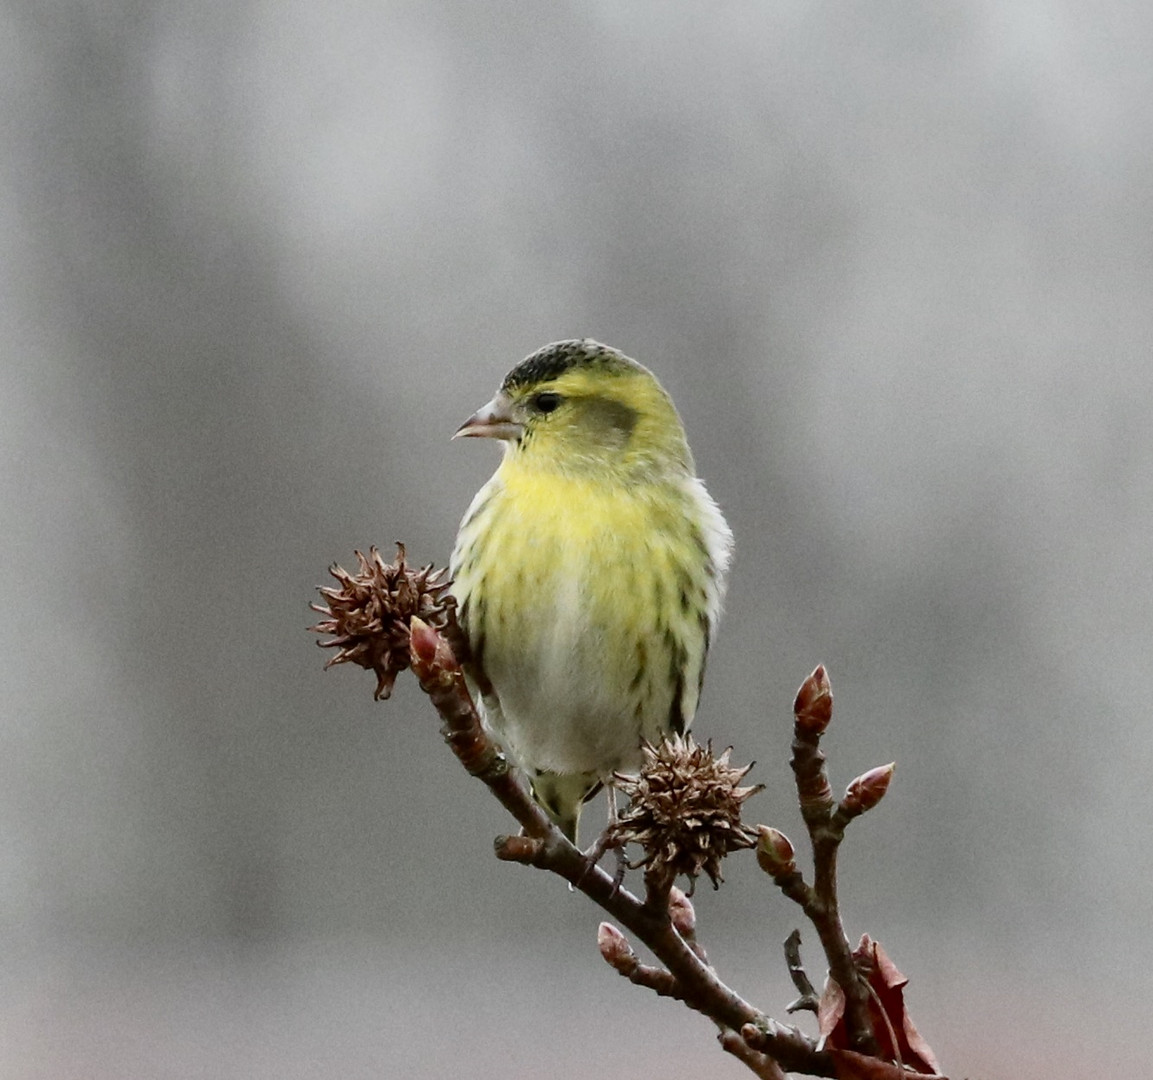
x=554, y=360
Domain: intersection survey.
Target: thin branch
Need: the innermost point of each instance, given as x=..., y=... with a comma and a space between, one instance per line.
x=658, y=887
x=812, y=713
x=697, y=984
x=617, y=951
x=808, y=999
x=759, y=1064
x=387, y=617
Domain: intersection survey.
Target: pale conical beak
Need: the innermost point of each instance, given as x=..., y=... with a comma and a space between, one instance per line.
x=493, y=421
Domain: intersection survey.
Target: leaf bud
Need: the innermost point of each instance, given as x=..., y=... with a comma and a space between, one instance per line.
x=775, y=852
x=615, y=948
x=813, y=707
x=867, y=790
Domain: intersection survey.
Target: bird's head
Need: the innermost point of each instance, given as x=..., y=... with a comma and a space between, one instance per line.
x=579, y=405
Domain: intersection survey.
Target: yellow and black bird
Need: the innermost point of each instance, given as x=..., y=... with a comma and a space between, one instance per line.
x=589, y=570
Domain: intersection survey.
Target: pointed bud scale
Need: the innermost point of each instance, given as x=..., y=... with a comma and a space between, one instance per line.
x=775, y=852
x=431, y=652
x=423, y=640
x=868, y=789
x=615, y=948
x=813, y=707
x=682, y=913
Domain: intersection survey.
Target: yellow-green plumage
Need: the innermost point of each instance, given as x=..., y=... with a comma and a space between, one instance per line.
x=589, y=570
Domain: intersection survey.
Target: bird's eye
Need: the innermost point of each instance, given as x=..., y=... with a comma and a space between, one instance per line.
x=546, y=401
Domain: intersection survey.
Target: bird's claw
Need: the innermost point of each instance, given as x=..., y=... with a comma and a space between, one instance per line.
x=603, y=844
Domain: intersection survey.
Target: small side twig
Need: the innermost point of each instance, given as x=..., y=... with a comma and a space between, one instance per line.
x=619, y=955
x=685, y=813
x=808, y=999
x=812, y=712
x=686, y=975
x=759, y=1064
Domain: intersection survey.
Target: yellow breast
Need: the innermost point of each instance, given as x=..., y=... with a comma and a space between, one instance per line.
x=588, y=606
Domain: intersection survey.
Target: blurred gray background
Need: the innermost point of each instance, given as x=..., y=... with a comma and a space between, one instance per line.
x=894, y=261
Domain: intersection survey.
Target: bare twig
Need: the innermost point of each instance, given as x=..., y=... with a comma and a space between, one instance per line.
x=619, y=955
x=695, y=982
x=759, y=1064
x=808, y=999
x=812, y=712
x=685, y=812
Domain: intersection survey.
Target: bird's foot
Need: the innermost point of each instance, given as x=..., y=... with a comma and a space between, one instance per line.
x=604, y=843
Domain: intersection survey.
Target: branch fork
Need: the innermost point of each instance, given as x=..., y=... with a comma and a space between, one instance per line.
x=685, y=814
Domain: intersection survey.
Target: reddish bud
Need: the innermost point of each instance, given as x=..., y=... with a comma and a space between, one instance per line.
x=868, y=789
x=423, y=640
x=775, y=852
x=615, y=948
x=681, y=912
x=813, y=707
x=429, y=649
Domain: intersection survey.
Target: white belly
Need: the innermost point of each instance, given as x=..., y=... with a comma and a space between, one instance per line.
x=562, y=704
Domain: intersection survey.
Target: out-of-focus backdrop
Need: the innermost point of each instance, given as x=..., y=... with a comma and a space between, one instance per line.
x=894, y=263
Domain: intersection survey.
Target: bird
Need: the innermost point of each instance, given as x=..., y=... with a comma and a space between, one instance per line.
x=589, y=571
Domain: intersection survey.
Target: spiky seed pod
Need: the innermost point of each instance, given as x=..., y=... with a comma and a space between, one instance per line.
x=369, y=613
x=684, y=810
